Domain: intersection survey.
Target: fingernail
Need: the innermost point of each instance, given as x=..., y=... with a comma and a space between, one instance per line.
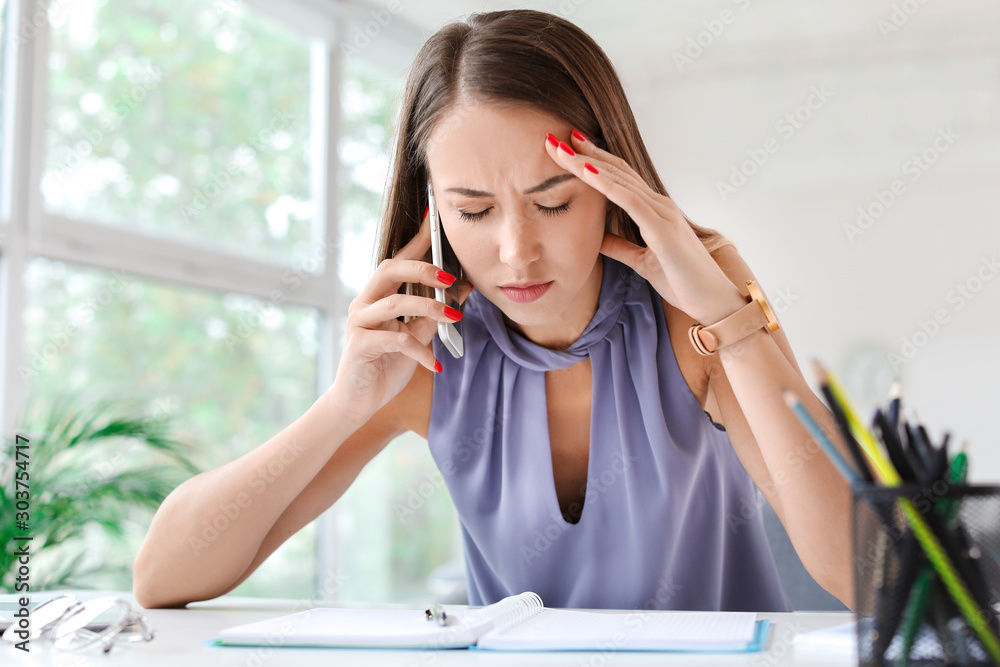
x=437, y=366
x=567, y=148
x=552, y=140
x=445, y=277
x=426, y=208
x=452, y=313
x=579, y=136
x=590, y=167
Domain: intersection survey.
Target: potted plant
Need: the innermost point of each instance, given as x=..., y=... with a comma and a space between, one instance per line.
x=93, y=469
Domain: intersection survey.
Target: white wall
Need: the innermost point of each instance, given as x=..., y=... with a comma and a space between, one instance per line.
x=855, y=293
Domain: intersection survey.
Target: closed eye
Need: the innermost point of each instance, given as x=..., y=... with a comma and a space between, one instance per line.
x=472, y=217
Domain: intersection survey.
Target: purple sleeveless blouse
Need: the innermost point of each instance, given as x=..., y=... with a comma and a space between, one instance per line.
x=669, y=519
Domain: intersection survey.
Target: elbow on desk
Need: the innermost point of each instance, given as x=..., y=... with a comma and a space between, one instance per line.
x=155, y=584
x=156, y=592
x=146, y=593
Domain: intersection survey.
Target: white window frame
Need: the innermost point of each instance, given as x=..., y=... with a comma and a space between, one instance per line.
x=28, y=230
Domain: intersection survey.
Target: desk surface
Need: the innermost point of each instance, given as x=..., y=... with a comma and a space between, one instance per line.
x=182, y=636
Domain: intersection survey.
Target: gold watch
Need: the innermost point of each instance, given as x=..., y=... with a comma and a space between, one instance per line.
x=748, y=319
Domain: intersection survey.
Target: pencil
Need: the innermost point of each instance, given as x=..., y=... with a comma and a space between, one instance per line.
x=819, y=435
x=865, y=439
x=860, y=460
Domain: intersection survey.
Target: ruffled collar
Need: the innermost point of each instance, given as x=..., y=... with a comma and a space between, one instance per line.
x=617, y=284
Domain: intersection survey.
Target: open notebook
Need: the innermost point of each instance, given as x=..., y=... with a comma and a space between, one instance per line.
x=518, y=622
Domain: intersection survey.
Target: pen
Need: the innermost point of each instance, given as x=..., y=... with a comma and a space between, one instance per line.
x=895, y=398
x=436, y=613
x=917, y=437
x=894, y=448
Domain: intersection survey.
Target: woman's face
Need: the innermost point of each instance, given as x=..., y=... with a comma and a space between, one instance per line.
x=486, y=164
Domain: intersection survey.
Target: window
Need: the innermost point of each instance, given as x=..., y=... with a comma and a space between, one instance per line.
x=182, y=119
x=230, y=370
x=177, y=202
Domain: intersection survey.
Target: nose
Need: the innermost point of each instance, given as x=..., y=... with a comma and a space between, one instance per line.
x=519, y=242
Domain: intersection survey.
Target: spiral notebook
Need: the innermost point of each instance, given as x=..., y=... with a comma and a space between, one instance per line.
x=516, y=623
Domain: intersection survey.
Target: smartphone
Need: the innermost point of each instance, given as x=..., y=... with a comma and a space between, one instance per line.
x=444, y=258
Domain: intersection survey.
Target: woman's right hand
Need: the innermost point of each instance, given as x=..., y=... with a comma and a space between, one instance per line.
x=381, y=353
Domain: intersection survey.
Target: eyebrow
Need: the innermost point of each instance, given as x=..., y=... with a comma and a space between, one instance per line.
x=544, y=185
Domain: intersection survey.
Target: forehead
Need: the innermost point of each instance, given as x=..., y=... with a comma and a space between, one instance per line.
x=479, y=144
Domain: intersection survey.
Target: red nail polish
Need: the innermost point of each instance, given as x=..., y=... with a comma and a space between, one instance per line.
x=426, y=208
x=445, y=277
x=590, y=167
x=452, y=313
x=552, y=140
x=567, y=148
x=437, y=366
x=578, y=135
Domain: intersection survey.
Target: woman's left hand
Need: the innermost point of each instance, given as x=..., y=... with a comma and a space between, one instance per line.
x=674, y=261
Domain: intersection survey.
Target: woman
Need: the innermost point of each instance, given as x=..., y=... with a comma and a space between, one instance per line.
x=593, y=454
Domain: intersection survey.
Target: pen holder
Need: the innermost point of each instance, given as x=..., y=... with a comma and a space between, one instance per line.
x=909, y=604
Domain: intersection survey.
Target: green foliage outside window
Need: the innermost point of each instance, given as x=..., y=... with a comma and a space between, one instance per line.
x=151, y=104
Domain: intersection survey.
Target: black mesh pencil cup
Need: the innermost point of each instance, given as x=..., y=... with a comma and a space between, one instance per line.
x=911, y=606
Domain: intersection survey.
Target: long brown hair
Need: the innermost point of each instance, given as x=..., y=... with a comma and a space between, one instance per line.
x=521, y=57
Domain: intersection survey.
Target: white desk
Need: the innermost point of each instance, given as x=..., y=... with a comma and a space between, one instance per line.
x=181, y=636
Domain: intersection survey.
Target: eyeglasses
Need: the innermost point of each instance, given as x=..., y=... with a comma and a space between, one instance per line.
x=66, y=618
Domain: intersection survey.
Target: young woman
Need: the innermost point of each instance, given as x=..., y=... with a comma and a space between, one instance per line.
x=594, y=455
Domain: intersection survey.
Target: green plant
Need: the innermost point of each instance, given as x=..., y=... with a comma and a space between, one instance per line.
x=94, y=468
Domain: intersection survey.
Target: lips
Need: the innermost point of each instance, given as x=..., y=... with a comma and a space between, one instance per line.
x=532, y=292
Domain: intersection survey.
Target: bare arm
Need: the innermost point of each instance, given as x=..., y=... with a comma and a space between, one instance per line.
x=216, y=528
x=807, y=493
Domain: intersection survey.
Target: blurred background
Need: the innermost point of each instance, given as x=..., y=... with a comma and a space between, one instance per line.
x=189, y=192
